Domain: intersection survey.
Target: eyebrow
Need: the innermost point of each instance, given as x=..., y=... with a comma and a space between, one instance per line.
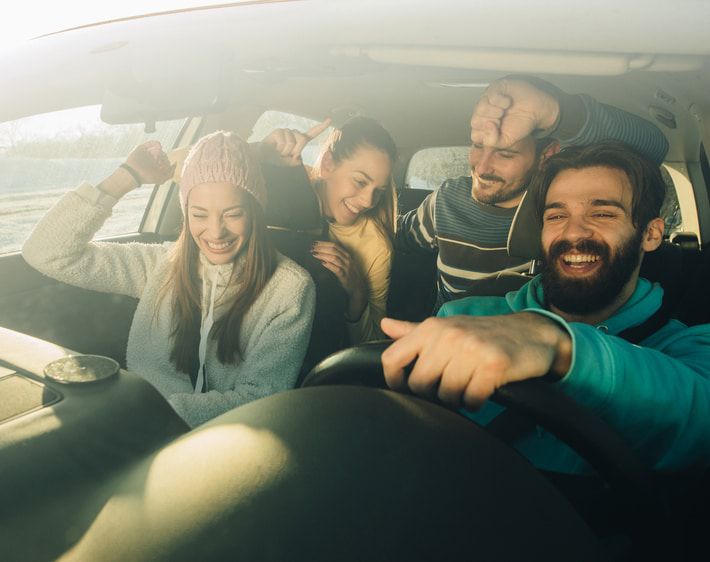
x=594, y=203
x=195, y=207
x=608, y=203
x=498, y=148
x=380, y=187
x=364, y=174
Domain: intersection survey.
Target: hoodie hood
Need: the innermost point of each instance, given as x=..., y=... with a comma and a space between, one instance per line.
x=216, y=292
x=227, y=278
x=644, y=301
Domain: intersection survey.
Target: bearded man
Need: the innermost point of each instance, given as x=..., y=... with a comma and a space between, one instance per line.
x=588, y=321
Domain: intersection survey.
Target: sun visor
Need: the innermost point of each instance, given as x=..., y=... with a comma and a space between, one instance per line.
x=525, y=232
x=163, y=90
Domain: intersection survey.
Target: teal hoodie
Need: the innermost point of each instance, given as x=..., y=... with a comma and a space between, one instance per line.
x=656, y=394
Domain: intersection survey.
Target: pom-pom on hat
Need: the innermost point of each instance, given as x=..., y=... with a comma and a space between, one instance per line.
x=222, y=157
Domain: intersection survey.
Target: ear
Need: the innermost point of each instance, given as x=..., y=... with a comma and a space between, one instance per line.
x=653, y=235
x=327, y=164
x=550, y=149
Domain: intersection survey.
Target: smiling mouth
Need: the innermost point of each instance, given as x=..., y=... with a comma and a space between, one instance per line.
x=219, y=245
x=579, y=259
x=487, y=183
x=352, y=209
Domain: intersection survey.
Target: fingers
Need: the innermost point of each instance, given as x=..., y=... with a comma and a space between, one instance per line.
x=398, y=356
x=284, y=141
x=338, y=271
x=150, y=162
x=331, y=249
x=313, y=132
x=499, y=100
x=288, y=144
x=335, y=256
x=486, y=110
x=396, y=329
x=455, y=378
x=488, y=134
x=427, y=373
x=487, y=118
x=481, y=385
x=336, y=259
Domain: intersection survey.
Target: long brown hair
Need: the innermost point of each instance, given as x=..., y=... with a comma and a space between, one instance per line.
x=184, y=283
x=342, y=143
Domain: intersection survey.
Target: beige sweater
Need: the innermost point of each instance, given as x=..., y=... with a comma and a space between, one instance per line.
x=372, y=252
x=274, y=333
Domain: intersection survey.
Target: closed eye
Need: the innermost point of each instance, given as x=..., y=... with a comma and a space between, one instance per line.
x=554, y=217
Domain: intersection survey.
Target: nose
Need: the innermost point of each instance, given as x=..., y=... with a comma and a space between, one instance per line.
x=366, y=198
x=483, y=162
x=215, y=227
x=576, y=229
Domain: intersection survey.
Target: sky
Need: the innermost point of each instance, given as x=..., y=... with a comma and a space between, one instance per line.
x=30, y=18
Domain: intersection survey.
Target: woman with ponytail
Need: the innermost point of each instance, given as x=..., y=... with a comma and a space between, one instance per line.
x=353, y=185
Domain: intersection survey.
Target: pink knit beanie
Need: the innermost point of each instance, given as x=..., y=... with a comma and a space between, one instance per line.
x=222, y=157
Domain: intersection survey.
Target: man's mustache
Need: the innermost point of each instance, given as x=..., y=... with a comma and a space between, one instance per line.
x=583, y=247
x=489, y=177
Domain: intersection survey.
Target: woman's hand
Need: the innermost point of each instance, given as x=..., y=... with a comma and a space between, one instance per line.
x=147, y=163
x=284, y=146
x=150, y=163
x=337, y=259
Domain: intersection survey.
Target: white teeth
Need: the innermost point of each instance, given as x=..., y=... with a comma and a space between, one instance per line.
x=219, y=245
x=580, y=258
x=351, y=209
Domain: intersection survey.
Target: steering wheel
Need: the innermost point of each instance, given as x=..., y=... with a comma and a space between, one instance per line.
x=547, y=406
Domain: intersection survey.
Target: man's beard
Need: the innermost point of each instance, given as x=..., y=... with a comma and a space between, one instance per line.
x=580, y=296
x=496, y=196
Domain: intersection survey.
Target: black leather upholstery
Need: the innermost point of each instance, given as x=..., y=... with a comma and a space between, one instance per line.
x=336, y=474
x=328, y=333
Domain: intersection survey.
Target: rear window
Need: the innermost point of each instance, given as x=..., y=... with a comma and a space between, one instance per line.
x=429, y=167
x=272, y=119
x=44, y=156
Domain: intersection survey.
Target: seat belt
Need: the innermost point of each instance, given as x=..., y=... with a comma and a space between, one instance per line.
x=511, y=426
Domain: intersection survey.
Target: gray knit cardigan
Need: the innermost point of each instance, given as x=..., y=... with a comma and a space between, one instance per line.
x=274, y=333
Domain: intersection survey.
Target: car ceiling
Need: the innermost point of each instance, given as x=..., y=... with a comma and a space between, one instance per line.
x=417, y=66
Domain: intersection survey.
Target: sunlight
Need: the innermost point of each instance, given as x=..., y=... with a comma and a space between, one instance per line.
x=32, y=18
x=183, y=489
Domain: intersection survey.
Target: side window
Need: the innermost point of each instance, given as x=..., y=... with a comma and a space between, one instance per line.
x=670, y=210
x=429, y=167
x=44, y=156
x=679, y=209
x=270, y=120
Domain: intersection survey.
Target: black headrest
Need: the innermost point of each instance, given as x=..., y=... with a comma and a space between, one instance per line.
x=292, y=202
x=526, y=230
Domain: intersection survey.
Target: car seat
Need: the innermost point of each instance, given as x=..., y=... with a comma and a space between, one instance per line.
x=293, y=216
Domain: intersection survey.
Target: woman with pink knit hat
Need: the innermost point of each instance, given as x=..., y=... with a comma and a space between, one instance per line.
x=222, y=317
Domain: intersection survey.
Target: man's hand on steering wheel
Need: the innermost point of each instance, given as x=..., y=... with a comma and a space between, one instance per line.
x=464, y=359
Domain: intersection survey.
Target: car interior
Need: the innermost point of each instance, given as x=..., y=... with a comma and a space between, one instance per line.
x=340, y=468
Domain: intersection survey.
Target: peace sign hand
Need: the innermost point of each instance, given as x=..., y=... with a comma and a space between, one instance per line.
x=284, y=146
